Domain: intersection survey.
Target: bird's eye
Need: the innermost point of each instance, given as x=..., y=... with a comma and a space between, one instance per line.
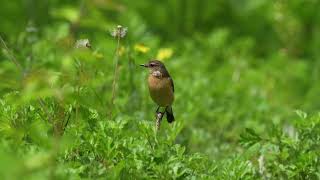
x=152, y=64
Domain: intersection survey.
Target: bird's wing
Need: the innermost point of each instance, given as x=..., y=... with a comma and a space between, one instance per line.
x=172, y=85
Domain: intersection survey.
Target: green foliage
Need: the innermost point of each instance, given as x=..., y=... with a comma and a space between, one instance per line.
x=241, y=69
x=288, y=153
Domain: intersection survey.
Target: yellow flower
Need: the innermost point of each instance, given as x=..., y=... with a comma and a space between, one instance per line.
x=141, y=48
x=122, y=50
x=164, y=53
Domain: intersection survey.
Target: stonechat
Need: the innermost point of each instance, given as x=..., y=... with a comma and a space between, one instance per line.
x=161, y=87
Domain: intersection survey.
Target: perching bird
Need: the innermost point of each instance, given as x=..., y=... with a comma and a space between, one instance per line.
x=161, y=87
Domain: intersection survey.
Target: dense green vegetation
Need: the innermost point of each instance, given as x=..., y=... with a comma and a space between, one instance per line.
x=246, y=89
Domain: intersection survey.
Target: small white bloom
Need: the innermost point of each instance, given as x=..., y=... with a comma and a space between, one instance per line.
x=83, y=43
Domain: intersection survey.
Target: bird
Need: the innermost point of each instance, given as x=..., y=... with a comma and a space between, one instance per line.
x=161, y=87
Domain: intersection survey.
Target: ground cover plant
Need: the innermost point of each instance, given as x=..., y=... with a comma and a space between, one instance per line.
x=74, y=102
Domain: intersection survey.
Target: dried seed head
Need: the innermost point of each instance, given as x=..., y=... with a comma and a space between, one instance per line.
x=119, y=32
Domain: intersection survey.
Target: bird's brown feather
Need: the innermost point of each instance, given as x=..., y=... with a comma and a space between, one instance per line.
x=161, y=90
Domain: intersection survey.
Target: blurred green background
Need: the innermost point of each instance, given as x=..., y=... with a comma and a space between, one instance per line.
x=236, y=65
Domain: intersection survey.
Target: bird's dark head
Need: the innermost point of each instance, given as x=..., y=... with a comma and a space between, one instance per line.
x=155, y=66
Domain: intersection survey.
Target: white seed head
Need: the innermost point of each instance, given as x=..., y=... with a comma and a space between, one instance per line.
x=119, y=31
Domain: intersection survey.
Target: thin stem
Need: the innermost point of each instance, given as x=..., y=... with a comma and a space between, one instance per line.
x=42, y=104
x=115, y=77
x=12, y=57
x=159, y=116
x=66, y=124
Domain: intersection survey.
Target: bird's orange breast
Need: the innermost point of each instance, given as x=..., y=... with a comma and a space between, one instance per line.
x=161, y=90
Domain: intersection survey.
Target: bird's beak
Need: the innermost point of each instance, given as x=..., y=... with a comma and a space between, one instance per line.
x=144, y=65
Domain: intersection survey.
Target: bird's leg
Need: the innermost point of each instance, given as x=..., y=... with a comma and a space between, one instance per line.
x=157, y=111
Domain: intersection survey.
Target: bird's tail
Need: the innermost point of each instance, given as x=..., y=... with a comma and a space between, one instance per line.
x=169, y=112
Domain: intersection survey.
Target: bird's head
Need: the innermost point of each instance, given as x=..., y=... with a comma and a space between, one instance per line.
x=155, y=66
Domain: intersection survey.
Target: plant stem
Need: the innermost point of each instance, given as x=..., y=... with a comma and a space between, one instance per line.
x=12, y=57
x=159, y=117
x=115, y=76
